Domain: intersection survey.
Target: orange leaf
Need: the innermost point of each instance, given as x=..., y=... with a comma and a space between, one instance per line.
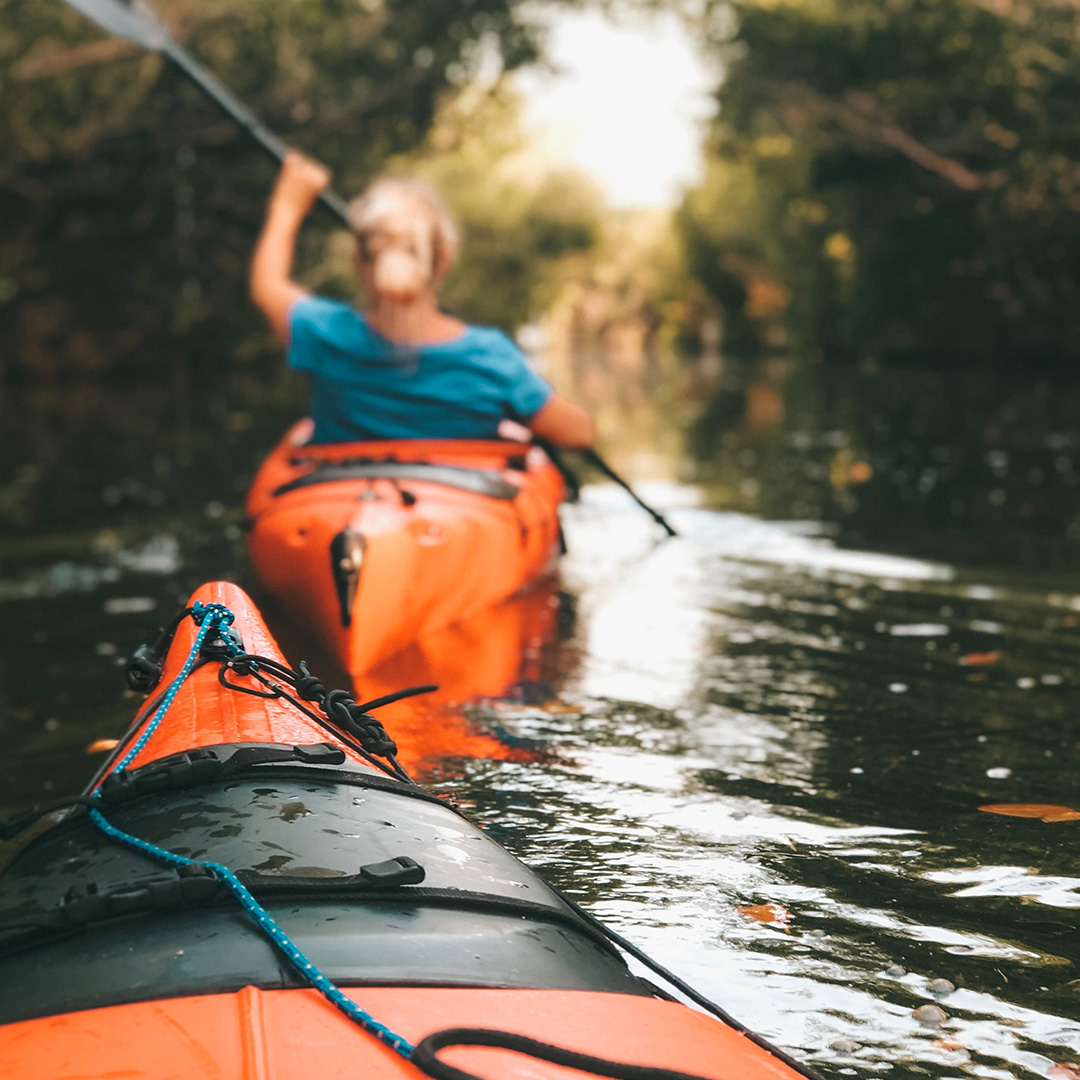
x=948, y=1044
x=99, y=746
x=1045, y=811
x=766, y=913
x=1067, y=1070
x=981, y=659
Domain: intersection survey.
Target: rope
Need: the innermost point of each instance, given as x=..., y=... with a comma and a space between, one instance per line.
x=207, y=617
x=265, y=922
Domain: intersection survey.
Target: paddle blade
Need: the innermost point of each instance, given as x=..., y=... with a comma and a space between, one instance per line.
x=136, y=22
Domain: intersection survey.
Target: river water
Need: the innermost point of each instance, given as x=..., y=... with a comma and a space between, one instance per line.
x=759, y=754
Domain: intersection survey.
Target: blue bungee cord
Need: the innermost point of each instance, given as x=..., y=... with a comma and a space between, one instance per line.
x=210, y=617
x=207, y=617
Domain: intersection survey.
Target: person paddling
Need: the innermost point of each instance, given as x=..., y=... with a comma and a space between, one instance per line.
x=403, y=368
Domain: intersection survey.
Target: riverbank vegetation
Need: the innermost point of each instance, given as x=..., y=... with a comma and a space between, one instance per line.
x=897, y=181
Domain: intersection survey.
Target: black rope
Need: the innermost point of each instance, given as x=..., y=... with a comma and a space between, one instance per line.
x=398, y=695
x=682, y=986
x=425, y=1056
x=350, y=722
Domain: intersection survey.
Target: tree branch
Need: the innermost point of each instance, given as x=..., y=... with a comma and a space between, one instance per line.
x=857, y=120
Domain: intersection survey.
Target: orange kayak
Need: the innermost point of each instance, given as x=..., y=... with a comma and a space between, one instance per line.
x=251, y=889
x=374, y=545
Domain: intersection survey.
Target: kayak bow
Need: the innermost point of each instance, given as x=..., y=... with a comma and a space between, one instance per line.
x=125, y=949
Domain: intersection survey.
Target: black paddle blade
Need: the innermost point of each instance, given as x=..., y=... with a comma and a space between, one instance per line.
x=136, y=21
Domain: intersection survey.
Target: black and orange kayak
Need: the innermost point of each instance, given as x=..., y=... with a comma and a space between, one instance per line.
x=373, y=545
x=253, y=888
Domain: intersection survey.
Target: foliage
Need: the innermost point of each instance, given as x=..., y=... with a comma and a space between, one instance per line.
x=130, y=205
x=905, y=172
x=520, y=218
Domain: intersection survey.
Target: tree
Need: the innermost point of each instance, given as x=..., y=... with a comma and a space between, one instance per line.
x=130, y=205
x=909, y=172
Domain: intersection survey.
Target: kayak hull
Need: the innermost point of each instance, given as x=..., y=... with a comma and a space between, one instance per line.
x=375, y=545
x=296, y=1035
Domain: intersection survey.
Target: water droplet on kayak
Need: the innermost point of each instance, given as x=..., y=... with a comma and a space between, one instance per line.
x=290, y=811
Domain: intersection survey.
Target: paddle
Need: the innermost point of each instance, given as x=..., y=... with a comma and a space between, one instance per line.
x=139, y=24
x=593, y=458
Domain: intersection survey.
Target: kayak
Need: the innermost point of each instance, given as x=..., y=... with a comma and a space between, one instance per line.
x=375, y=544
x=253, y=888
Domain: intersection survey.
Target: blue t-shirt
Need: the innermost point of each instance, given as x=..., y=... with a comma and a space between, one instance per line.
x=364, y=386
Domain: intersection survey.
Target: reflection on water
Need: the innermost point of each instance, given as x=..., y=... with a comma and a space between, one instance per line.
x=745, y=716
x=979, y=466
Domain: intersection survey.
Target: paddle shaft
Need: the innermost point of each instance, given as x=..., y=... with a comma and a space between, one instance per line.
x=595, y=459
x=590, y=455
x=238, y=111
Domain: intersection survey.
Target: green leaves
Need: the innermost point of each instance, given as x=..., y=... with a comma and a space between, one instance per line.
x=940, y=137
x=130, y=203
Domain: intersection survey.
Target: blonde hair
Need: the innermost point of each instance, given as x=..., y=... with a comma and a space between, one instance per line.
x=381, y=197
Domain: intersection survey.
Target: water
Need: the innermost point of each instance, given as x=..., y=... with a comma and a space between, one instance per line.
x=746, y=716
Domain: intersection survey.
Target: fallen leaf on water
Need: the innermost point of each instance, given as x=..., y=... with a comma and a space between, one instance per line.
x=1045, y=811
x=1067, y=1070
x=99, y=746
x=766, y=913
x=560, y=708
x=948, y=1044
x=980, y=659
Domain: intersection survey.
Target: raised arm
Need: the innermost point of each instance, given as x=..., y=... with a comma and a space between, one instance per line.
x=298, y=186
x=563, y=423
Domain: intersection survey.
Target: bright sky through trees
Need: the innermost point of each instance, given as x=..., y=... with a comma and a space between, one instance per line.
x=625, y=105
